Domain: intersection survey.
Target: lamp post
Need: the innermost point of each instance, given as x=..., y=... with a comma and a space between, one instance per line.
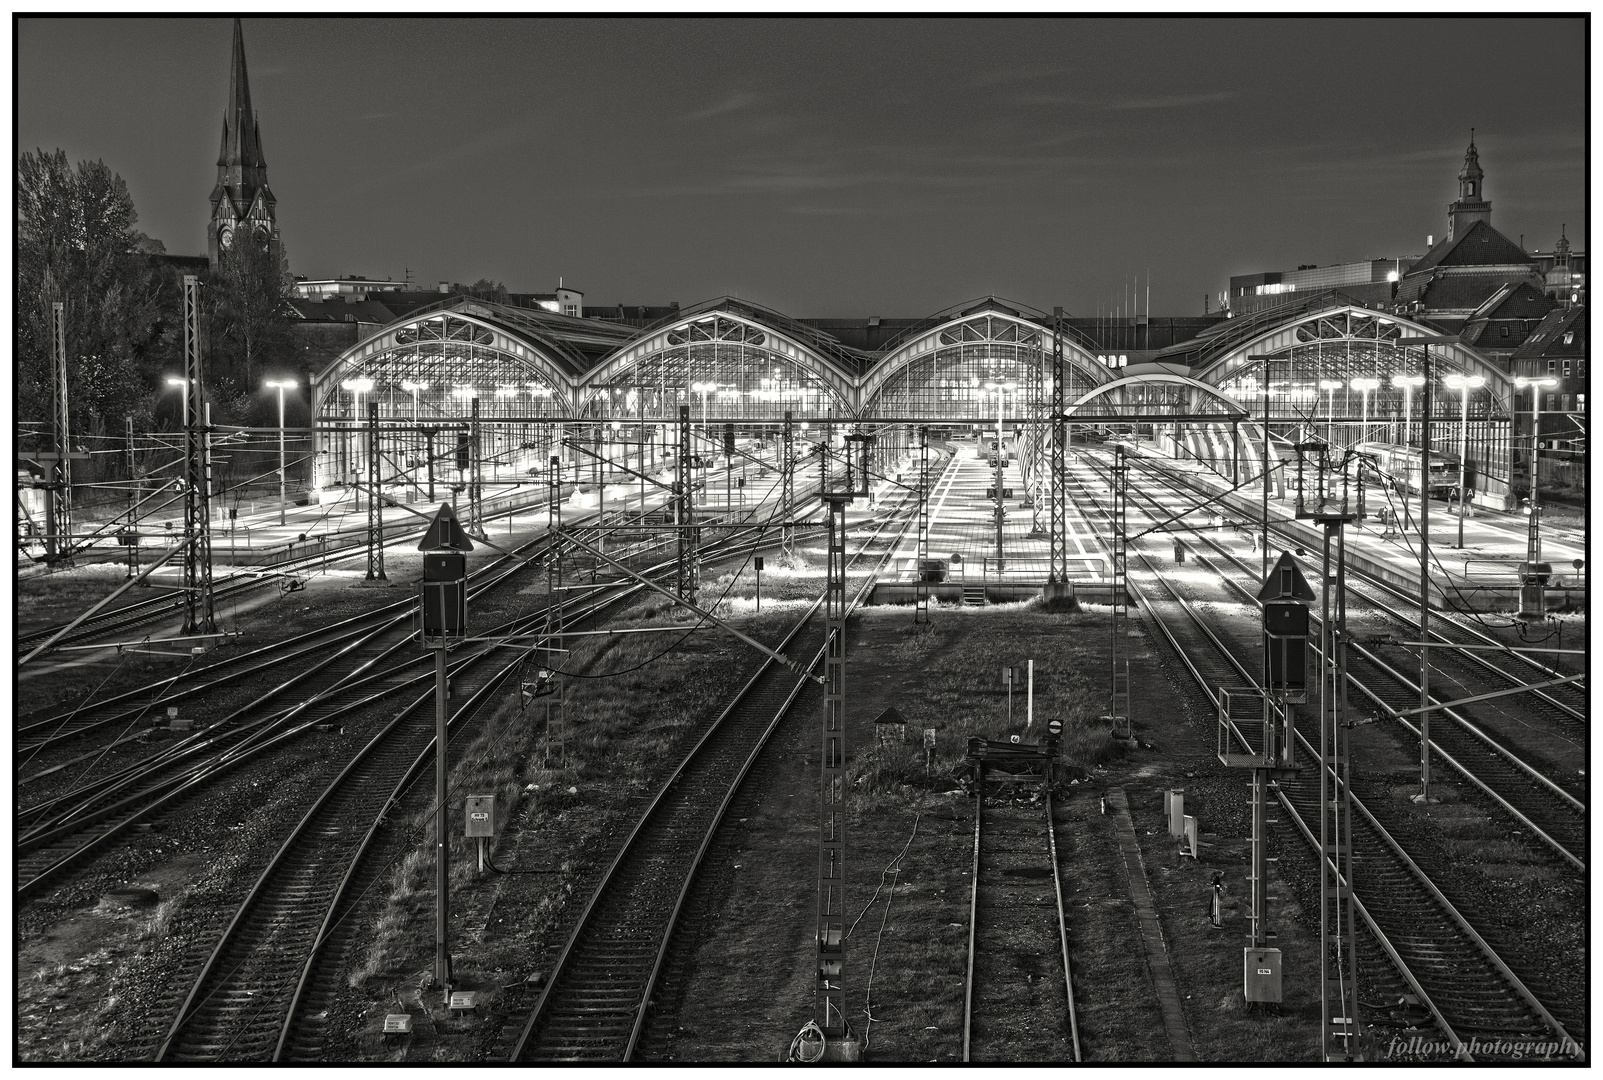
x=1424, y=557
x=182, y=384
x=281, y=385
x=357, y=387
x=704, y=388
x=1365, y=385
x=1463, y=384
x=1537, y=386
x=1406, y=384
x=414, y=388
x=1329, y=386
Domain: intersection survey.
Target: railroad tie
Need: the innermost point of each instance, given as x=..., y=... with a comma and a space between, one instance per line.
x=1174, y=1018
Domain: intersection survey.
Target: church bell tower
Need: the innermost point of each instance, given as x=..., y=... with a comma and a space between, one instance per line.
x=242, y=205
x=1471, y=205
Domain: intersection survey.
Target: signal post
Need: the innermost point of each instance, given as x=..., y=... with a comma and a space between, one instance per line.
x=443, y=598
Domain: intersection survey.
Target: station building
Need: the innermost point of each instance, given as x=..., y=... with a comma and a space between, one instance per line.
x=538, y=376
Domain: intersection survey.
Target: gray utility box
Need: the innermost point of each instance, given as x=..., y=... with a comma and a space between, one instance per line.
x=480, y=813
x=1261, y=968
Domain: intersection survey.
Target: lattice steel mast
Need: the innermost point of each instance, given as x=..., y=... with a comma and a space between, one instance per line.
x=198, y=617
x=58, y=537
x=375, y=502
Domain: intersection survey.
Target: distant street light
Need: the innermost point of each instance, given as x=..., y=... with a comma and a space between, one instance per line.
x=1537, y=386
x=281, y=385
x=1463, y=384
x=1406, y=384
x=1365, y=385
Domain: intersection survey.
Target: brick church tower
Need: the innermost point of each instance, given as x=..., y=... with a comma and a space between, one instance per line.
x=242, y=204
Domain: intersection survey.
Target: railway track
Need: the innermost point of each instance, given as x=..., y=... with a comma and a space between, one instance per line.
x=263, y=991
x=1416, y=945
x=60, y=830
x=244, y=998
x=1493, y=763
x=1018, y=995
x=593, y=1006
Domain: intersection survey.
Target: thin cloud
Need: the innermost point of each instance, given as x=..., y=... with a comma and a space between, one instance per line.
x=1171, y=101
x=733, y=103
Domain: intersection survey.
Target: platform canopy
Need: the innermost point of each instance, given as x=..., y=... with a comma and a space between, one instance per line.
x=519, y=362
x=947, y=367
x=727, y=358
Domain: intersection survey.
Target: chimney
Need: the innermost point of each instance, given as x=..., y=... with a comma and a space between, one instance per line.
x=445, y=286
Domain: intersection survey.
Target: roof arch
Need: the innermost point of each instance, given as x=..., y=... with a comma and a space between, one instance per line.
x=466, y=343
x=1336, y=321
x=985, y=341
x=1195, y=392
x=761, y=363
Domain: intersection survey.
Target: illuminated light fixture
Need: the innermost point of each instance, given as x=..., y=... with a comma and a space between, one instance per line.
x=1329, y=384
x=1365, y=385
x=358, y=386
x=174, y=380
x=464, y=392
x=505, y=391
x=413, y=387
x=1391, y=275
x=1464, y=382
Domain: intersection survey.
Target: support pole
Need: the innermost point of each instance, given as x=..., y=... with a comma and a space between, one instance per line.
x=829, y=1006
x=58, y=541
x=475, y=476
x=198, y=616
x=683, y=515
x=1424, y=582
x=134, y=493
x=921, y=602
x=1343, y=1033
x=1119, y=687
x=1058, y=571
x=787, y=487
x=442, y=845
x=375, y=499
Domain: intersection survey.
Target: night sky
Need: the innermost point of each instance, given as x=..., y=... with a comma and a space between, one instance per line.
x=832, y=167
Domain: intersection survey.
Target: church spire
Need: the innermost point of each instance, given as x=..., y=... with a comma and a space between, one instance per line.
x=1471, y=205
x=241, y=198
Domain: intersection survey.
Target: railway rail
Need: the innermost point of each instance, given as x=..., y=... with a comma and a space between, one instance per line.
x=593, y=1005
x=1417, y=945
x=1018, y=989
x=1491, y=761
x=371, y=661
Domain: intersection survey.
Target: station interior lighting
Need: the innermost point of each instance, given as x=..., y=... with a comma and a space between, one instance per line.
x=413, y=387
x=464, y=393
x=1464, y=382
x=358, y=386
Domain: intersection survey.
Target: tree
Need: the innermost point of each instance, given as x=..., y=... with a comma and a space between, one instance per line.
x=76, y=244
x=246, y=304
x=486, y=289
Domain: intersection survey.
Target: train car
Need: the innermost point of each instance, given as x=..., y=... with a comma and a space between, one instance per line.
x=1400, y=467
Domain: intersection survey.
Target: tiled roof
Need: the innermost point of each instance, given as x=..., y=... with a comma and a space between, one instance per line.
x=1478, y=245
x=1547, y=340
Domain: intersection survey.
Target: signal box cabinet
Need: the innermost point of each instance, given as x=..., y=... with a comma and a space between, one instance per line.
x=479, y=813
x=1261, y=971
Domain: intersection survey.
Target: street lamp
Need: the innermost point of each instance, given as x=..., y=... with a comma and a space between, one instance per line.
x=704, y=388
x=357, y=387
x=281, y=385
x=1329, y=386
x=414, y=388
x=1463, y=384
x=1537, y=386
x=1365, y=385
x=1406, y=384
x=182, y=384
